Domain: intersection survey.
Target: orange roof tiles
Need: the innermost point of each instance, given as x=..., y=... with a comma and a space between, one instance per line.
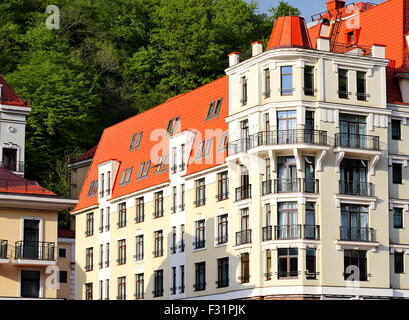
x=192, y=109
x=289, y=31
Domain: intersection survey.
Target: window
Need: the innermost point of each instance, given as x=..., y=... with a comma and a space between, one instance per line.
x=397, y=173
x=223, y=272
x=101, y=256
x=343, y=84
x=174, y=202
x=173, y=235
x=172, y=126
x=122, y=215
x=244, y=236
x=287, y=221
x=140, y=210
x=107, y=289
x=158, y=204
x=354, y=179
x=210, y=111
x=223, y=143
x=10, y=159
x=309, y=80
x=102, y=185
x=287, y=263
x=355, y=265
x=175, y=125
x=396, y=129
x=140, y=171
x=352, y=131
x=266, y=118
x=268, y=264
x=62, y=252
x=108, y=183
x=121, y=252
x=267, y=83
x=139, y=251
x=222, y=186
x=361, y=85
x=174, y=160
x=287, y=81
x=30, y=284
x=158, y=289
x=182, y=198
x=88, y=291
x=399, y=262
x=139, y=287
x=108, y=219
x=200, y=239
x=182, y=238
x=121, y=288
x=310, y=263
x=397, y=218
x=158, y=245
x=218, y=106
x=182, y=156
x=107, y=255
x=287, y=125
x=101, y=289
x=122, y=177
x=243, y=100
x=207, y=147
x=162, y=163
x=245, y=268
x=101, y=220
x=222, y=229
x=90, y=224
x=135, y=142
x=350, y=37
x=169, y=128
x=173, y=286
x=200, y=193
x=89, y=256
x=355, y=223
x=200, y=149
x=182, y=279
x=200, y=276
x=146, y=170
x=128, y=175
x=62, y=276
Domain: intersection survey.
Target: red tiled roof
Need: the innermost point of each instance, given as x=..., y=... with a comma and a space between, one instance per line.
x=192, y=109
x=385, y=23
x=8, y=96
x=66, y=234
x=12, y=183
x=86, y=155
x=289, y=31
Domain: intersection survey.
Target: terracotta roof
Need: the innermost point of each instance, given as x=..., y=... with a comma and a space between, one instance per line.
x=86, y=155
x=191, y=108
x=12, y=183
x=66, y=234
x=385, y=23
x=289, y=32
x=8, y=96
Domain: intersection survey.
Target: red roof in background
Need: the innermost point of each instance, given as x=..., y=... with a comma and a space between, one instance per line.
x=289, y=31
x=386, y=24
x=8, y=96
x=86, y=155
x=12, y=183
x=66, y=234
x=191, y=107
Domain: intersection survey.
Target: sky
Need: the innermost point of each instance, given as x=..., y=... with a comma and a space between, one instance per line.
x=307, y=7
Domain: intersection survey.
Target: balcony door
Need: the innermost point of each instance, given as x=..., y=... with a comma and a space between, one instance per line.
x=287, y=220
x=309, y=173
x=353, y=130
x=310, y=220
x=244, y=135
x=354, y=175
x=10, y=159
x=31, y=238
x=354, y=222
x=287, y=125
x=287, y=174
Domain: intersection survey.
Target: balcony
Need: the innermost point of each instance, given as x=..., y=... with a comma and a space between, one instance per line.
x=243, y=237
x=348, y=233
x=243, y=192
x=15, y=166
x=3, y=251
x=357, y=141
x=291, y=185
x=295, y=232
x=364, y=189
x=34, y=253
x=267, y=233
x=222, y=239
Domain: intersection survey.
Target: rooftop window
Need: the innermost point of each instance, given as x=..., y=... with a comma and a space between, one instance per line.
x=214, y=109
x=135, y=142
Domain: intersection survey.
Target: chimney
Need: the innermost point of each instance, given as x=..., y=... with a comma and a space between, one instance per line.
x=378, y=50
x=234, y=58
x=323, y=43
x=335, y=4
x=257, y=48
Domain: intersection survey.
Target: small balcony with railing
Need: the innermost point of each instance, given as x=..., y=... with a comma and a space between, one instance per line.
x=243, y=192
x=4, y=251
x=290, y=186
x=356, y=142
x=357, y=234
x=34, y=253
x=243, y=237
x=291, y=232
x=356, y=188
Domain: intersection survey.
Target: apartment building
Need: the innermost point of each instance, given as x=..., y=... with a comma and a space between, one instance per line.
x=65, y=254
x=284, y=179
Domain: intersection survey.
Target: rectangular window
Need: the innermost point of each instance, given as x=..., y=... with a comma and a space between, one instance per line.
x=128, y=176
x=355, y=265
x=267, y=90
x=174, y=202
x=122, y=215
x=107, y=289
x=223, y=272
x=243, y=100
x=182, y=279
x=343, y=84
x=182, y=156
x=107, y=255
x=222, y=229
x=62, y=252
x=397, y=218
x=139, y=287
x=309, y=80
x=121, y=288
x=122, y=177
x=101, y=256
x=200, y=239
x=139, y=251
x=140, y=210
x=245, y=268
x=89, y=256
x=91, y=187
x=88, y=291
x=210, y=111
x=399, y=262
x=121, y=252
x=287, y=263
x=158, y=204
x=182, y=198
x=158, y=289
x=108, y=183
x=310, y=262
x=207, y=147
x=169, y=128
x=397, y=173
x=287, y=81
x=222, y=186
x=146, y=170
x=90, y=224
x=199, y=153
x=101, y=289
x=101, y=220
x=140, y=171
x=200, y=193
x=217, y=108
x=158, y=245
x=62, y=277
x=102, y=185
x=108, y=219
x=174, y=160
x=175, y=125
x=361, y=85
x=182, y=238
x=223, y=143
x=173, y=286
x=174, y=244
x=268, y=264
x=396, y=129
x=200, y=273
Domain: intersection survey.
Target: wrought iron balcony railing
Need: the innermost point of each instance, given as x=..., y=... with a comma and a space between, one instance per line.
x=295, y=185
x=3, y=249
x=296, y=231
x=16, y=166
x=243, y=237
x=356, y=188
x=35, y=250
x=222, y=239
x=243, y=192
x=358, y=141
x=348, y=233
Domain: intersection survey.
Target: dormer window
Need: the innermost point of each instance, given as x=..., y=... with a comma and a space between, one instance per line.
x=210, y=111
x=126, y=176
x=162, y=163
x=93, y=188
x=172, y=126
x=135, y=142
x=214, y=109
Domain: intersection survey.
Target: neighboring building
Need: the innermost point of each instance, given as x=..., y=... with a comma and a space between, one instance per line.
x=28, y=213
x=294, y=206
x=66, y=264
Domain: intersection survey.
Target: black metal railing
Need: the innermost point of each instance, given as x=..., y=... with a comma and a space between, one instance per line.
x=266, y=187
x=35, y=250
x=157, y=252
x=238, y=146
x=158, y=213
x=222, y=196
x=348, y=233
x=182, y=207
x=3, y=249
x=16, y=166
x=199, y=286
x=359, y=141
x=157, y=293
x=139, y=218
x=138, y=257
x=222, y=283
x=199, y=202
x=199, y=244
x=296, y=231
x=244, y=278
x=222, y=239
x=287, y=274
x=243, y=237
x=243, y=192
x=296, y=185
x=293, y=136
x=121, y=260
x=267, y=233
x=356, y=188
